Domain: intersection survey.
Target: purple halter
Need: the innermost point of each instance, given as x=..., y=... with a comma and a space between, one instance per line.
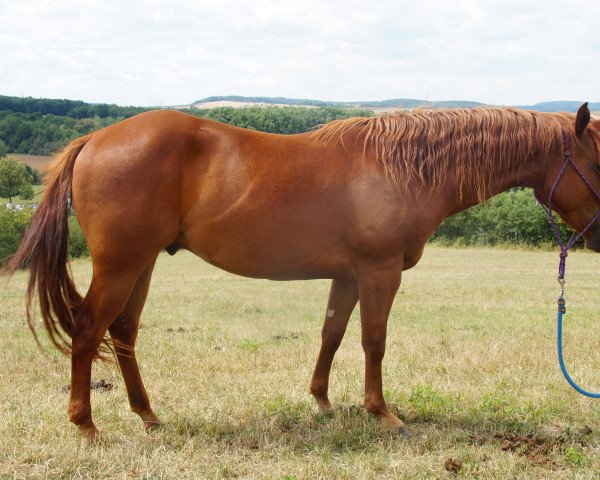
x=568, y=156
x=562, y=308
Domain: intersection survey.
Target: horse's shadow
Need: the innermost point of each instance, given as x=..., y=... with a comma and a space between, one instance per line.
x=352, y=429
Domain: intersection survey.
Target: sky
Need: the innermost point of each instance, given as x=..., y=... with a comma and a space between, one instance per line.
x=174, y=52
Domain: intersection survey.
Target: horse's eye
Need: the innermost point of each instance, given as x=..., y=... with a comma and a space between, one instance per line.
x=596, y=168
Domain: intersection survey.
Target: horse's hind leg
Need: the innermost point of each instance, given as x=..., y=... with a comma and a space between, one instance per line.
x=109, y=292
x=342, y=300
x=124, y=331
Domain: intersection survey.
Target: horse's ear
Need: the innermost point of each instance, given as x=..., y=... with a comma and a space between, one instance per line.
x=582, y=120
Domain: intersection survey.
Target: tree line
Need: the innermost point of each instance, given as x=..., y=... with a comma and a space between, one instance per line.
x=43, y=126
x=511, y=218
x=65, y=108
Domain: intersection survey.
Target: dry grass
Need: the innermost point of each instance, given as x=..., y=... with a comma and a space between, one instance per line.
x=470, y=366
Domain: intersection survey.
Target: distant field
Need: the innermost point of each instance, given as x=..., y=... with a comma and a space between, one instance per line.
x=38, y=162
x=470, y=367
x=234, y=104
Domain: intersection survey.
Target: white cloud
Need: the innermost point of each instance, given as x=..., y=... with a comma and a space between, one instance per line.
x=175, y=51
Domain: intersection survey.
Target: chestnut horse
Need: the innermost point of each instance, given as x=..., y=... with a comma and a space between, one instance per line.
x=354, y=201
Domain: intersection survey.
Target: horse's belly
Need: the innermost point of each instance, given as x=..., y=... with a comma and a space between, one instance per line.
x=272, y=265
x=266, y=250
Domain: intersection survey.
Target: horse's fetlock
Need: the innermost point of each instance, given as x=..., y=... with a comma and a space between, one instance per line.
x=375, y=406
x=78, y=414
x=317, y=389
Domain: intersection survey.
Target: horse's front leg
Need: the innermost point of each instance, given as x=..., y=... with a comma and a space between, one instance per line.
x=377, y=286
x=342, y=300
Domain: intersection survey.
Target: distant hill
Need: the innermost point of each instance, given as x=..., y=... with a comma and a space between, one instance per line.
x=560, y=106
x=392, y=103
x=241, y=101
x=414, y=103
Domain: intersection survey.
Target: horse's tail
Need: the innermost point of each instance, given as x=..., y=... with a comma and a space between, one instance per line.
x=44, y=249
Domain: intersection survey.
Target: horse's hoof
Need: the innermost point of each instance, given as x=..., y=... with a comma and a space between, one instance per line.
x=395, y=425
x=325, y=408
x=152, y=426
x=327, y=412
x=391, y=422
x=89, y=435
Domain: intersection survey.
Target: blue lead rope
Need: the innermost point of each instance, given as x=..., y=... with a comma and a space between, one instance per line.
x=559, y=340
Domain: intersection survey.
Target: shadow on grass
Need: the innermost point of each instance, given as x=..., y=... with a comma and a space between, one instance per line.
x=296, y=426
x=435, y=420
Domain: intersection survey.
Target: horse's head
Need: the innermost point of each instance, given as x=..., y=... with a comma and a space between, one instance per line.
x=573, y=188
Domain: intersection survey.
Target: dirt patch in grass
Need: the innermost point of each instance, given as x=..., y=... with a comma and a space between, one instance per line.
x=536, y=449
x=99, y=386
x=291, y=336
x=179, y=329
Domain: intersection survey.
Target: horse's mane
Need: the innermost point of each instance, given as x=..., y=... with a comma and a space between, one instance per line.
x=473, y=146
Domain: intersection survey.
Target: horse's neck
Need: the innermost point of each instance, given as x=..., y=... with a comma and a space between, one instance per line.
x=526, y=175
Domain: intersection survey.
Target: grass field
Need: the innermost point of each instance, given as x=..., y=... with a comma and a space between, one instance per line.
x=37, y=197
x=470, y=367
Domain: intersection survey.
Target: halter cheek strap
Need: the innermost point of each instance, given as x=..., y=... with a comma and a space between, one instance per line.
x=562, y=309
